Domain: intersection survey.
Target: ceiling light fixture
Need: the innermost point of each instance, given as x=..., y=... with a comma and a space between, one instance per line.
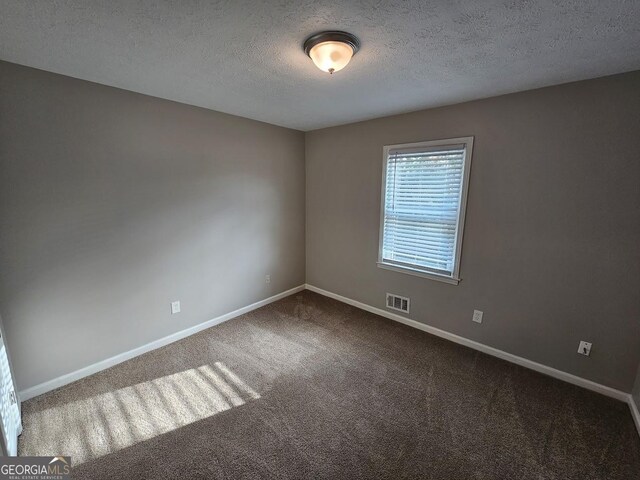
x=331, y=51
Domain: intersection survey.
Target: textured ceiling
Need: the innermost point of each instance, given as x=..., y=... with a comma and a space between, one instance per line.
x=245, y=57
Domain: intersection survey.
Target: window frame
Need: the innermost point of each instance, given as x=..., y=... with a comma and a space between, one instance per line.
x=454, y=278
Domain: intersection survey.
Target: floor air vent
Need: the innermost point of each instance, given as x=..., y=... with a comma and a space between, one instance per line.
x=396, y=302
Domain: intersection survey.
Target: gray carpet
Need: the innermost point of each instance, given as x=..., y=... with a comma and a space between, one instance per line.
x=308, y=387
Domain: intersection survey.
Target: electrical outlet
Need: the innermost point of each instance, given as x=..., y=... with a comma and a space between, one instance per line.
x=267, y=279
x=175, y=307
x=584, y=348
x=477, y=316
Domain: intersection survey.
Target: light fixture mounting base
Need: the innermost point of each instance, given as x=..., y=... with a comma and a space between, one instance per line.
x=331, y=36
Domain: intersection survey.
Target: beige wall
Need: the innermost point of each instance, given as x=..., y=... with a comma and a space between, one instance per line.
x=113, y=204
x=551, y=250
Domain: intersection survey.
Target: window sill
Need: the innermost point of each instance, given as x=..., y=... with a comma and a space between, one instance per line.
x=419, y=273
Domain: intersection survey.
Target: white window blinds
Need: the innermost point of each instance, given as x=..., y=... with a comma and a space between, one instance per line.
x=423, y=195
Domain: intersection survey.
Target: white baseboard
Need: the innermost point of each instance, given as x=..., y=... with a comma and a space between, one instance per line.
x=523, y=362
x=538, y=367
x=110, y=362
x=634, y=412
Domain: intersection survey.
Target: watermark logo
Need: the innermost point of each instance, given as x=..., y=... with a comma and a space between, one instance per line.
x=35, y=468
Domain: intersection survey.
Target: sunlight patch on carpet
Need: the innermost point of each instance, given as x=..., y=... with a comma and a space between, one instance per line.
x=96, y=426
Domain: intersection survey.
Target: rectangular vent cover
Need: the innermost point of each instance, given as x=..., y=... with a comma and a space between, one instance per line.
x=396, y=302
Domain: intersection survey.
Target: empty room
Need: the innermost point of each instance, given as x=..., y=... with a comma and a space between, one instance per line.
x=320, y=240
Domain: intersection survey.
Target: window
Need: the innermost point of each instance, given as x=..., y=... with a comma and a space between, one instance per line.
x=423, y=203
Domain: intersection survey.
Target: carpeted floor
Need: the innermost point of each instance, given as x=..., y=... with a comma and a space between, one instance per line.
x=308, y=387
